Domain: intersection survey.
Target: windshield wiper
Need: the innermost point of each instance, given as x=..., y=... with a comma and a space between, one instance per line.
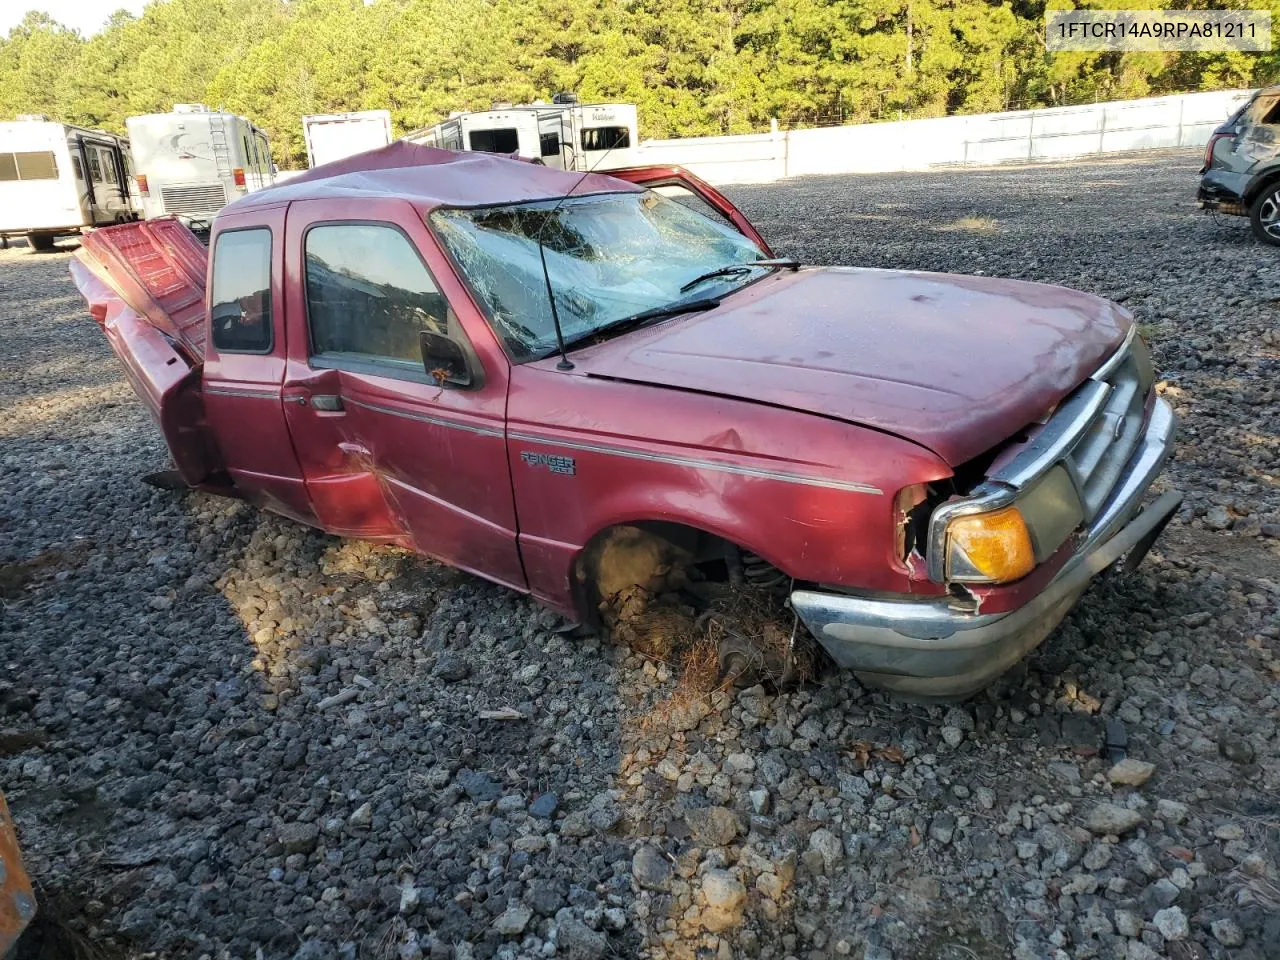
x=733, y=269
x=644, y=316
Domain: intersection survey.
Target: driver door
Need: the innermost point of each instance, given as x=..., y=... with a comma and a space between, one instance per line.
x=389, y=452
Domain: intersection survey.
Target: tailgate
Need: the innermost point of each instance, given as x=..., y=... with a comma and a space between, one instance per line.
x=144, y=285
x=158, y=268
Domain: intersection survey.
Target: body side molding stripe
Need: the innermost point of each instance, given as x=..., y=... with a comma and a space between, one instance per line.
x=426, y=418
x=677, y=460
x=233, y=392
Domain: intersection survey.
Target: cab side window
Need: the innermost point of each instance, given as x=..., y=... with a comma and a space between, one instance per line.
x=241, y=301
x=369, y=295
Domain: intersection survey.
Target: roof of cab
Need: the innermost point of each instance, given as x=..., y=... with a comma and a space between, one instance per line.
x=429, y=178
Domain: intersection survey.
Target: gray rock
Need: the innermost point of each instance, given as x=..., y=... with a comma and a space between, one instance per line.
x=362, y=816
x=1172, y=923
x=478, y=785
x=452, y=668
x=512, y=921
x=544, y=807
x=943, y=827
x=952, y=736
x=577, y=941
x=1066, y=773
x=1171, y=811
x=1110, y=818
x=1236, y=749
x=827, y=846
x=712, y=826
x=1227, y=932
x=1097, y=856
x=1217, y=518
x=651, y=869
x=1160, y=894
x=298, y=837
x=1128, y=923
x=1131, y=772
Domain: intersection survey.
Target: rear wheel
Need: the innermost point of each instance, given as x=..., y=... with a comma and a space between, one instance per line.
x=40, y=241
x=1264, y=215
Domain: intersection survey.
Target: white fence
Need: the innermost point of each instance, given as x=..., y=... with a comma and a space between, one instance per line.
x=1055, y=133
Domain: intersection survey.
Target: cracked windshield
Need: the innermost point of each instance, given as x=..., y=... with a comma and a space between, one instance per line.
x=608, y=257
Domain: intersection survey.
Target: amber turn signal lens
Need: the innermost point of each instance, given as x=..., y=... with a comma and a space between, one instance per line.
x=990, y=547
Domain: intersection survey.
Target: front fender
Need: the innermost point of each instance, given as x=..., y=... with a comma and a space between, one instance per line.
x=813, y=496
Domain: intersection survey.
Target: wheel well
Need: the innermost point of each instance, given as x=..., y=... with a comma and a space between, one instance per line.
x=1260, y=186
x=655, y=554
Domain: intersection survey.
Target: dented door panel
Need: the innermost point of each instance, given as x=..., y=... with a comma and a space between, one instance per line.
x=387, y=452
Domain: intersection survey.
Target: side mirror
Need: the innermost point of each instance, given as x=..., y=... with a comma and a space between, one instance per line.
x=445, y=361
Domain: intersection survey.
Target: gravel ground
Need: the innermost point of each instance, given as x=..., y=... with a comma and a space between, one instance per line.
x=225, y=735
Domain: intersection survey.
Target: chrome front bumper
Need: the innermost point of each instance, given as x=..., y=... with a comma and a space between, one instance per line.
x=929, y=648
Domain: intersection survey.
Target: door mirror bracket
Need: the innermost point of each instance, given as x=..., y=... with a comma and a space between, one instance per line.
x=445, y=361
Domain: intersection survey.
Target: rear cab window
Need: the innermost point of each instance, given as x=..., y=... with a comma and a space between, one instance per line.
x=240, y=311
x=369, y=297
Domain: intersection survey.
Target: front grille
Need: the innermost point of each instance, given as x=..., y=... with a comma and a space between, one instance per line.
x=195, y=200
x=1104, y=447
x=1093, y=435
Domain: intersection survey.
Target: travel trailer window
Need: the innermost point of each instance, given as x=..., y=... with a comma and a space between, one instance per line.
x=75, y=166
x=241, y=312
x=550, y=144
x=502, y=140
x=39, y=165
x=606, y=138
x=264, y=153
x=94, y=166
x=369, y=295
x=109, y=166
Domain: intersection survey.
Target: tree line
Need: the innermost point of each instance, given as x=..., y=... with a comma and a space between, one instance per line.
x=693, y=67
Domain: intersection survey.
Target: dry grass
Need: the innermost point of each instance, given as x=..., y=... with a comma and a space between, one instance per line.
x=755, y=622
x=970, y=225
x=748, y=621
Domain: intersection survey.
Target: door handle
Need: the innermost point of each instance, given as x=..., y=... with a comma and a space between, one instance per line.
x=327, y=402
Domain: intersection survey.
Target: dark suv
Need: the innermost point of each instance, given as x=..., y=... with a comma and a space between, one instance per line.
x=1241, y=172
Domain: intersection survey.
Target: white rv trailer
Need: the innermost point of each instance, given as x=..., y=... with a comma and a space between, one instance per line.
x=333, y=136
x=194, y=161
x=59, y=179
x=564, y=134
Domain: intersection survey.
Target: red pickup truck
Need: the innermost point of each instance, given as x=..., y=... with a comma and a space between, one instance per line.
x=935, y=465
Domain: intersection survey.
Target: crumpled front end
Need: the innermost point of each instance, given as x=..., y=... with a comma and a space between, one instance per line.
x=1077, y=486
x=17, y=900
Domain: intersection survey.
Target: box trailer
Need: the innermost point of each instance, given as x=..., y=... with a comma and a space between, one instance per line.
x=333, y=136
x=58, y=179
x=194, y=161
x=563, y=134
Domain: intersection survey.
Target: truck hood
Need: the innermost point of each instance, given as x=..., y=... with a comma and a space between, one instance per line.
x=954, y=363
